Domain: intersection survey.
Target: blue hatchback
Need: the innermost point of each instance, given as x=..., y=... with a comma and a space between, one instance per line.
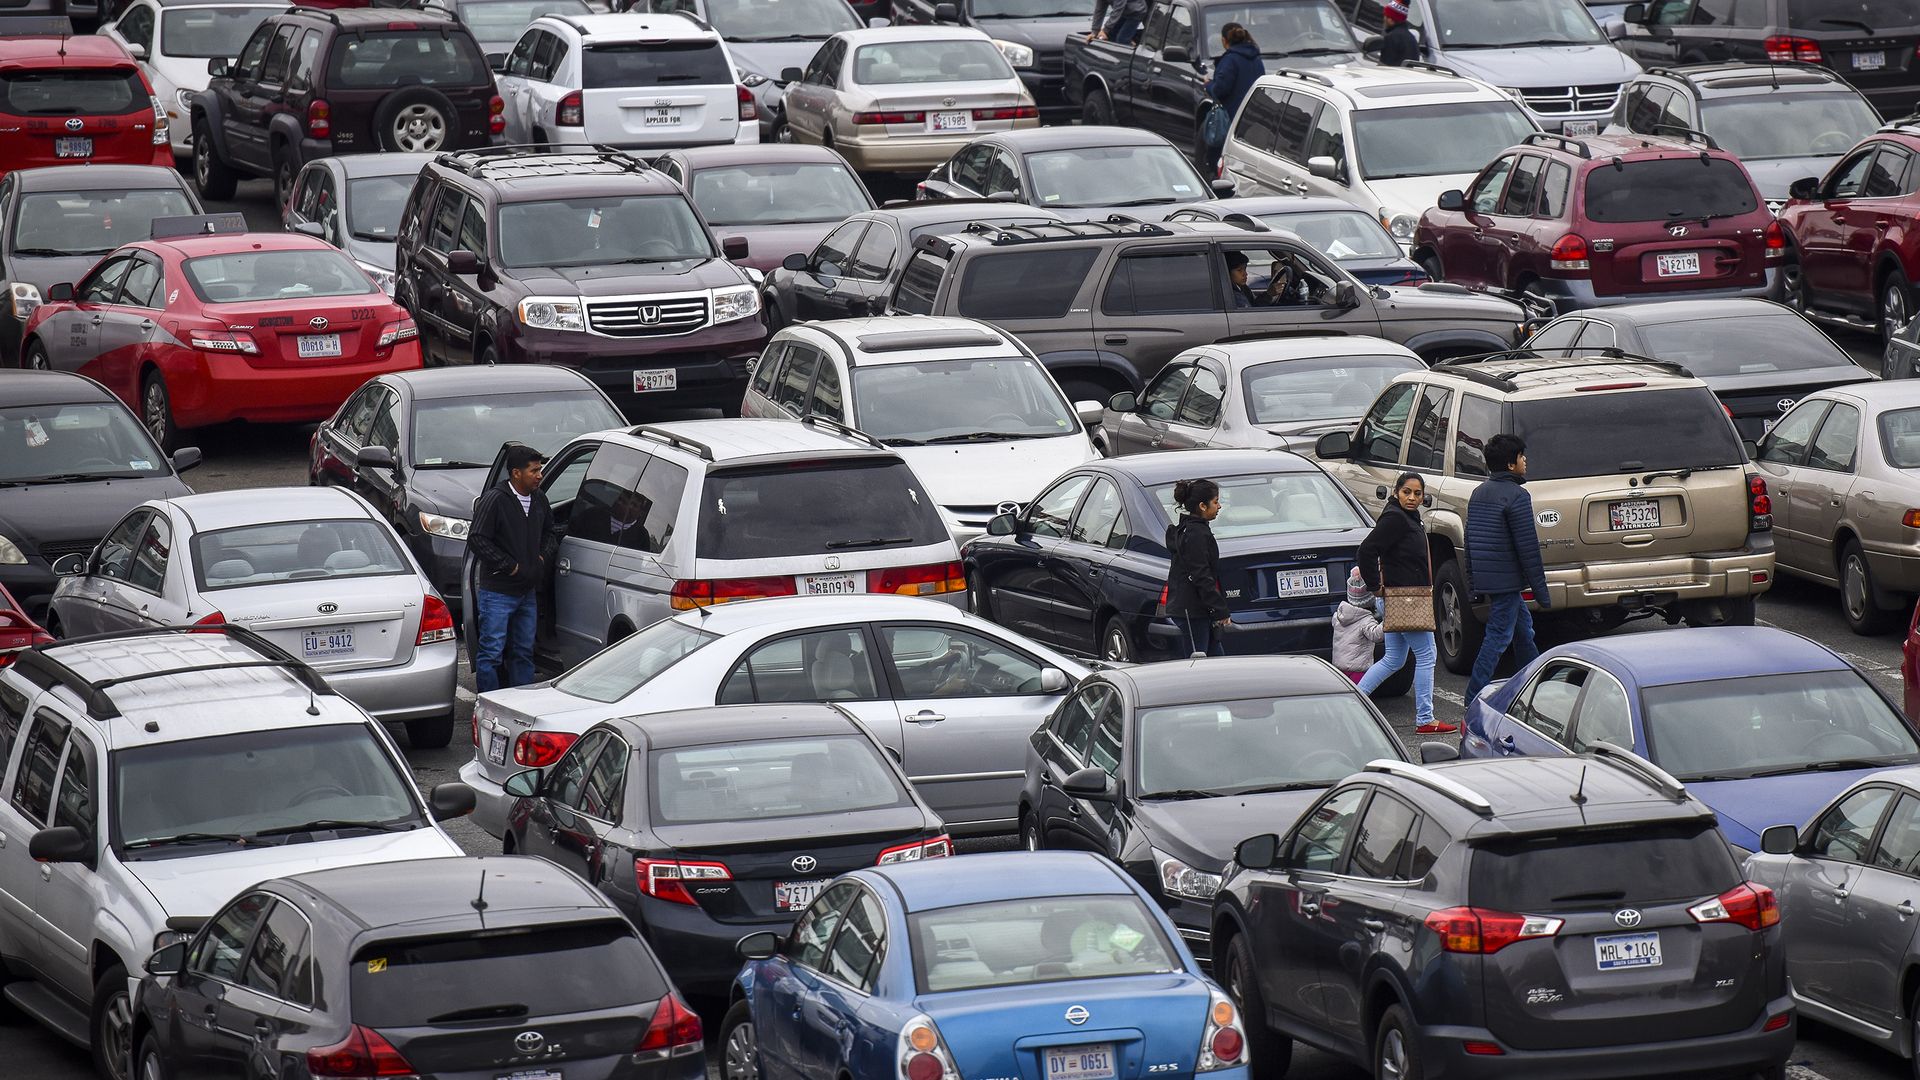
x=1012, y=965
x=1762, y=725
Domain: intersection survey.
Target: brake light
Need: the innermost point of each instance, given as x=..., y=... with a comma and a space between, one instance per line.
x=571, y=112
x=212, y=618
x=159, y=121
x=222, y=342
x=539, y=749
x=400, y=330
x=1786, y=47
x=496, y=114
x=319, y=119
x=1608, y=386
x=475, y=719
x=918, y=580
x=403, y=26
x=1911, y=519
x=1569, y=253
x=1486, y=1049
x=688, y=595
x=363, y=1053
x=1479, y=930
x=890, y=118
x=1223, y=1042
x=674, y=1032
x=922, y=1053
x=937, y=848
x=436, y=622
x=1017, y=112
x=666, y=879
x=1760, y=506
x=1752, y=906
x=749, y=109
x=1777, y=1022
x=1776, y=240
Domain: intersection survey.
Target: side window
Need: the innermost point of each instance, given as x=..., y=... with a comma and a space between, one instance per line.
x=1073, y=724
x=279, y=56
x=1291, y=126
x=1604, y=716
x=149, y=567
x=1162, y=399
x=1048, y=515
x=857, y=948
x=1326, y=140
x=1599, y=335
x=1385, y=842
x=562, y=483
x=385, y=429
x=1900, y=840
x=1851, y=174
x=247, y=64
x=1002, y=176
x=73, y=804
x=1787, y=443
x=303, y=60
x=1103, y=752
x=1155, y=34
x=1556, y=335
x=813, y=932
x=570, y=775
x=117, y=550
x=600, y=795
x=835, y=252
x=1884, y=180
x=1098, y=514
x=1485, y=194
x=1320, y=840
x=648, y=524
x=1673, y=116
x=520, y=61
x=473, y=228
x=1843, y=832
x=607, y=494
x=763, y=370
x=1643, y=115
x=546, y=57
x=1479, y=421
x=1019, y=284
x=357, y=417
x=142, y=287
x=1668, y=13
x=1550, y=702
x=874, y=256
x=1259, y=121
x=446, y=220
x=825, y=665
x=1434, y=839
x=1839, y=436
x=826, y=399
x=279, y=964
x=1385, y=425
x=1518, y=201
x=1161, y=284
x=1427, y=445
x=1553, y=191
x=104, y=284
x=969, y=168
x=796, y=379
x=137, y=27
x=946, y=662
x=222, y=950
x=1201, y=406
x=1179, y=28
x=39, y=765
x=13, y=717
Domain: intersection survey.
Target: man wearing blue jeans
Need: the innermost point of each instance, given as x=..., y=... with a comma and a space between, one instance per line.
x=512, y=539
x=1503, y=557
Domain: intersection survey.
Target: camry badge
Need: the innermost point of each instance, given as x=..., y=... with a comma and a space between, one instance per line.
x=329, y=608
x=74, y=123
x=529, y=1042
x=1676, y=230
x=1077, y=1015
x=805, y=864
x=1627, y=917
x=318, y=322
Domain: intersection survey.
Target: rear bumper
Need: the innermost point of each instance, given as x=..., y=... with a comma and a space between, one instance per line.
x=1253, y=633
x=491, y=804
x=1638, y=583
x=420, y=689
x=213, y=390
x=694, y=948
x=910, y=153
x=1738, y=1053
x=1573, y=295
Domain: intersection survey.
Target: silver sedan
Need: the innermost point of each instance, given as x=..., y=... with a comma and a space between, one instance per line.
x=314, y=570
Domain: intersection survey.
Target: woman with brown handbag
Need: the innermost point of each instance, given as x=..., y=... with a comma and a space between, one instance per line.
x=1398, y=567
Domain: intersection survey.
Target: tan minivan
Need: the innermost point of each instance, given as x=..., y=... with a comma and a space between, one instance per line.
x=1643, y=497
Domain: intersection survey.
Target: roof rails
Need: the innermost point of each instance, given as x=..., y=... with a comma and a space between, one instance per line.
x=1557, y=142
x=1278, y=335
x=904, y=340
x=531, y=156
x=1452, y=789
x=1684, y=134
x=1607, y=355
x=1305, y=76
x=47, y=670
x=1044, y=232
x=1627, y=761
x=173, y=228
x=1436, y=69
x=1908, y=121
x=845, y=429
x=692, y=446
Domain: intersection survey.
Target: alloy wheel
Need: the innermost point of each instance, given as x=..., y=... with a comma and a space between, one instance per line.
x=202, y=163
x=150, y=1067
x=1453, y=630
x=1115, y=645
x=153, y=409
x=1030, y=835
x=116, y=1030
x=419, y=127
x=1893, y=307
x=742, y=1056
x=1393, y=1056
x=1853, y=587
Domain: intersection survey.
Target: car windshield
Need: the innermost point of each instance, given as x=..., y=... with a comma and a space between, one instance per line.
x=743, y=22
x=1287, y=393
x=1506, y=24
x=1875, y=16
x=764, y=513
x=1602, y=868
x=272, y=778
x=73, y=92
x=1900, y=438
x=467, y=431
x=1273, y=504
x=602, y=230
x=208, y=32
x=1113, y=176
x=942, y=60
x=1031, y=9
x=1783, y=124
x=93, y=222
x=1047, y=939
x=1670, y=189
x=1258, y=744
x=950, y=400
x=1343, y=235
x=764, y=779
x=1436, y=140
x=248, y=276
x=506, y=20
x=374, y=204
x=377, y=58
x=58, y=443
x=1290, y=28
x=282, y=551
x=503, y=974
x=655, y=63
x=778, y=193
x=633, y=661
x=1684, y=428
x=1753, y=344
x=1734, y=728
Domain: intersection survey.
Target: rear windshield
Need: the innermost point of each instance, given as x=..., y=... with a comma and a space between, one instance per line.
x=627, y=665
x=1273, y=504
x=1900, y=438
x=1023, y=284
x=295, y=551
x=1684, y=428
x=108, y=92
x=1743, y=346
x=676, y=63
x=939, y=61
x=1123, y=176
x=374, y=204
x=1291, y=28
x=1435, y=140
x=207, y=32
x=1848, y=16
x=920, y=284
x=503, y=975
x=1670, y=189
x=1773, y=725
x=247, y=276
x=1053, y=939
x=1288, y=392
x=772, y=778
x=774, y=512
x=1602, y=868
x=392, y=57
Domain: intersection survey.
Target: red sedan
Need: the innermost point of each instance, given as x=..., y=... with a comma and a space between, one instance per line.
x=18, y=631
x=208, y=323
x=1910, y=666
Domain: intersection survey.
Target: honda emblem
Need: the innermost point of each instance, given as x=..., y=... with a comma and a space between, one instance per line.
x=650, y=313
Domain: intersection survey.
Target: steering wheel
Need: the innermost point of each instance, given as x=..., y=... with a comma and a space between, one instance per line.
x=1006, y=416
x=1831, y=142
x=1837, y=744
x=315, y=792
x=1324, y=756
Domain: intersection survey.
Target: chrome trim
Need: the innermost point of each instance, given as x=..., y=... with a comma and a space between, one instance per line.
x=670, y=323
x=942, y=777
x=1452, y=789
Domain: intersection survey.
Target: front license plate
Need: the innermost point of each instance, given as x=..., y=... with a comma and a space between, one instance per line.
x=1619, y=951
x=321, y=643
x=1093, y=1062
x=794, y=895
x=497, y=747
x=1288, y=583
x=73, y=146
x=1686, y=264
x=828, y=585
x=645, y=382
x=1869, y=61
x=1633, y=515
x=313, y=346
x=663, y=116
x=950, y=121
x=1580, y=127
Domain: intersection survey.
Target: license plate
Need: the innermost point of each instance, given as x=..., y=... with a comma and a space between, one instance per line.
x=663, y=116
x=828, y=585
x=1620, y=951
x=1686, y=264
x=794, y=895
x=318, y=643
x=73, y=146
x=950, y=121
x=645, y=382
x=1080, y=1062
x=1869, y=61
x=1633, y=514
x=1300, y=583
x=312, y=346
x=497, y=747
x=1580, y=127
x=531, y=1074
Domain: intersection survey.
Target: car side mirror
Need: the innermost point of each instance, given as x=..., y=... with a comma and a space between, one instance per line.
x=463, y=263
x=762, y=945
x=1452, y=199
x=1090, y=783
x=60, y=293
x=1003, y=525
x=946, y=13
x=1752, y=448
x=136, y=50
x=1258, y=852
x=1634, y=13
x=186, y=458
x=1433, y=753
x=1807, y=187
x=375, y=457
x=523, y=784
x=792, y=74
x=219, y=67
x=1124, y=401
x=1324, y=167
x=1371, y=43
x=497, y=62
x=62, y=843
x=168, y=961
x=1333, y=446
x=450, y=800
x=795, y=262
x=1779, y=840
x=1615, y=29
x=1089, y=412
x=879, y=22
x=1052, y=680
x=1223, y=188
x=1346, y=295
x=734, y=248
x=1176, y=54
x=310, y=228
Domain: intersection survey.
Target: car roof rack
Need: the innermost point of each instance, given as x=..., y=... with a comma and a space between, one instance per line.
x=184, y=225
x=1278, y=335
x=1557, y=142
x=946, y=338
x=1604, y=355
x=1434, y=69
x=1900, y=123
x=47, y=670
x=1684, y=134
x=841, y=428
x=1113, y=225
x=1627, y=761
x=529, y=159
x=1452, y=789
x=692, y=446
x=1305, y=76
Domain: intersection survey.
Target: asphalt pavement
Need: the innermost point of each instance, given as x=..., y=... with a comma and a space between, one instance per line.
x=242, y=456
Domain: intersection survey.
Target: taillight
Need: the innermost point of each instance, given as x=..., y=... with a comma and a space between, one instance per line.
x=571, y=112
x=362, y=1053
x=674, y=1032
x=890, y=118
x=1479, y=930
x=1016, y=112
x=436, y=622
x=212, y=618
x=475, y=719
x=922, y=1053
x=688, y=595
x=496, y=115
x=400, y=330
x=1760, y=505
x=539, y=749
x=1786, y=47
x=1569, y=253
x=319, y=119
x=1776, y=240
x=918, y=580
x=1162, y=609
x=1911, y=519
x=1223, y=1042
x=749, y=110
x=666, y=879
x=159, y=121
x=937, y=848
x=1483, y=1049
x=232, y=341
x=1752, y=906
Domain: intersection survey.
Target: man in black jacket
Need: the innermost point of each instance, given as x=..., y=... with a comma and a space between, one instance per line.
x=512, y=539
x=1503, y=557
x=1399, y=44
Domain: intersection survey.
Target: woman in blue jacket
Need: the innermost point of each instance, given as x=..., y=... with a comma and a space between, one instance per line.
x=1234, y=72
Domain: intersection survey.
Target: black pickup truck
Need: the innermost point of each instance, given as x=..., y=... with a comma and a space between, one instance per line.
x=1156, y=81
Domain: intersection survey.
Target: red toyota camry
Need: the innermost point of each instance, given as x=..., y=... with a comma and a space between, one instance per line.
x=207, y=323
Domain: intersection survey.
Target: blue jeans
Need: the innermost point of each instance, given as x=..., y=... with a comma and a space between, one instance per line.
x=1420, y=644
x=1508, y=623
x=1200, y=636
x=1122, y=31
x=507, y=625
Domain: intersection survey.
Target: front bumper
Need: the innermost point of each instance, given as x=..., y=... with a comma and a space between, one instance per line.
x=420, y=689
x=1574, y=295
x=1740, y=1053
x=910, y=153
x=710, y=364
x=441, y=558
x=1641, y=583
x=208, y=389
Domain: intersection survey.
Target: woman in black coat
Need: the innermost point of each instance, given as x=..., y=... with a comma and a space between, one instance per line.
x=1194, y=599
x=1395, y=555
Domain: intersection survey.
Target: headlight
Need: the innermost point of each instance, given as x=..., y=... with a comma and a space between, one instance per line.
x=553, y=313
x=25, y=299
x=10, y=553
x=382, y=278
x=186, y=101
x=1018, y=55
x=1179, y=879
x=752, y=80
x=1400, y=225
x=735, y=302
x=452, y=528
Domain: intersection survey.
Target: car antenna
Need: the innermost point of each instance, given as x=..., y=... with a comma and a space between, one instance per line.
x=479, y=902
x=1580, y=793
x=313, y=707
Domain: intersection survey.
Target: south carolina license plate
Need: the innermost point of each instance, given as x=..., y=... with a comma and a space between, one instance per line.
x=79, y=146
x=662, y=116
x=497, y=747
x=950, y=121
x=314, y=346
x=828, y=585
x=660, y=379
x=1575, y=128
x=794, y=895
x=1686, y=264
x=1301, y=582
x=1619, y=951
x=319, y=643
x=1633, y=515
x=1080, y=1062
x=1869, y=61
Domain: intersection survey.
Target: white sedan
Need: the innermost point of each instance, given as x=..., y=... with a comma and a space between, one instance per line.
x=954, y=696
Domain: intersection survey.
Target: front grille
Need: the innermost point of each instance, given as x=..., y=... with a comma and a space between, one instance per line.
x=1571, y=99
x=647, y=316
x=51, y=552
x=1051, y=63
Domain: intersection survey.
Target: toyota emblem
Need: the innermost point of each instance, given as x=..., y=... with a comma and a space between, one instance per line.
x=1676, y=230
x=318, y=322
x=1783, y=404
x=1627, y=917
x=529, y=1042
x=949, y=102
x=1077, y=1015
x=328, y=608
x=1007, y=508
x=805, y=864
x=74, y=123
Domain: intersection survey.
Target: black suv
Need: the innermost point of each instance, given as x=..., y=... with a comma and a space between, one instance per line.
x=312, y=83
x=585, y=258
x=1572, y=917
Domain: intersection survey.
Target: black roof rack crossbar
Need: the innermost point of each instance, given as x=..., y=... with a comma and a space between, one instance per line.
x=318, y=13
x=845, y=429
x=1044, y=232
x=1684, y=134
x=174, y=228
x=1304, y=76
x=1558, y=142
x=693, y=446
x=1436, y=69
x=51, y=670
x=1898, y=122
x=477, y=160
x=1604, y=355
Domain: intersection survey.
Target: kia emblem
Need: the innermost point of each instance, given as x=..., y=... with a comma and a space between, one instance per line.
x=529, y=1042
x=1676, y=230
x=318, y=322
x=805, y=864
x=1627, y=917
x=1077, y=1015
x=74, y=123
x=329, y=608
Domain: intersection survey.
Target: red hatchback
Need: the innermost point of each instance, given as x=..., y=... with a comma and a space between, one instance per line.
x=192, y=328
x=1855, y=234
x=76, y=100
x=18, y=631
x=1605, y=220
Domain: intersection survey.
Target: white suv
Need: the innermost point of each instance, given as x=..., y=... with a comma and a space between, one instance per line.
x=174, y=43
x=1389, y=140
x=633, y=80
x=151, y=775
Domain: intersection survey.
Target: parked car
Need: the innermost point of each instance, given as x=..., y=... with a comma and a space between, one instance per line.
x=953, y=695
x=1084, y=172
x=706, y=824
x=766, y=37
x=1858, y=275
x=1641, y=951
x=355, y=202
x=1910, y=666
x=106, y=110
x=1030, y=35
x=497, y=24
x=370, y=970
x=1355, y=240
x=18, y=631
x=782, y=197
x=175, y=43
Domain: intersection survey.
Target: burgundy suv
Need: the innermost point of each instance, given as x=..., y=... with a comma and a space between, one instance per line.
x=1605, y=220
x=1854, y=237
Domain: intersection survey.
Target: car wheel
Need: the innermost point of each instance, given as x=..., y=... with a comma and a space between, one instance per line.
x=283, y=171
x=978, y=601
x=211, y=177
x=1864, y=615
x=739, y=1046
x=414, y=120
x=151, y=1065
x=1896, y=304
x=1086, y=390
x=782, y=132
x=1889, y=368
x=431, y=733
x=1457, y=631
x=112, y=1027
x=1793, y=285
x=1116, y=641
x=1396, y=1048
x=1430, y=263
x=1030, y=833
x=485, y=357
x=156, y=411
x=36, y=358
x=1268, y=1053
x=1097, y=109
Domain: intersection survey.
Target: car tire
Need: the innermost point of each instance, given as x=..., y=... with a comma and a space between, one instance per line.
x=1863, y=614
x=36, y=358
x=1030, y=833
x=1116, y=641
x=211, y=176
x=1269, y=1053
x=1430, y=263
x=782, y=131
x=150, y=1066
x=283, y=174
x=739, y=1045
x=432, y=733
x=978, y=601
x=1457, y=631
x=1097, y=109
x=110, y=1030
x=1082, y=389
x=1396, y=1047
x=1895, y=304
x=156, y=412
x=417, y=118
x=540, y=140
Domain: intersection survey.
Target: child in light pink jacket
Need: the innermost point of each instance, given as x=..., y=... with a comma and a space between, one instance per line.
x=1356, y=629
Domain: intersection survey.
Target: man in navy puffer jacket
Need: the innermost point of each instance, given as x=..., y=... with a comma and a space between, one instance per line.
x=1503, y=556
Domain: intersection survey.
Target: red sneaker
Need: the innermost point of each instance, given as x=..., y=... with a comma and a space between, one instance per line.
x=1435, y=727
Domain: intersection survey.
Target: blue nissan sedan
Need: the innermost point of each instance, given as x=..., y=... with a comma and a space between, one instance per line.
x=1762, y=725
x=1029, y=965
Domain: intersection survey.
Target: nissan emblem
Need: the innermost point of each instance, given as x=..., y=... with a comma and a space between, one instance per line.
x=1077, y=1015
x=805, y=864
x=1627, y=917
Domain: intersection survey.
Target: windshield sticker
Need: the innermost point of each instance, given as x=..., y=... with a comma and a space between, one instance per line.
x=1183, y=189
x=593, y=219
x=376, y=965
x=36, y=435
x=139, y=463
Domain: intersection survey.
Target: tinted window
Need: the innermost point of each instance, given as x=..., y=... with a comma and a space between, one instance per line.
x=628, y=500
x=39, y=765
x=73, y=92
x=222, y=950
x=1386, y=839
x=1095, y=520
x=1683, y=188
x=467, y=431
x=1073, y=726
x=1427, y=445
x=1247, y=745
x=1520, y=192
x=1020, y=942
x=675, y=63
x=1646, y=431
x=769, y=779
x=1774, y=724
x=1386, y=424
x=1900, y=842
x=1161, y=284
x=296, y=551
x=1022, y=285
x=1602, y=868
x=606, y=782
x=1321, y=837
x=1486, y=190
x=770, y=512
x=429, y=57
x=920, y=285
x=251, y=276
x=1479, y=421
x=279, y=964
x=1302, y=391
x=13, y=717
x=148, y=570
x=1048, y=514
x=74, y=804
x=858, y=945
x=875, y=254
x=1259, y=119
x=1753, y=345
x=552, y=969
x=1553, y=191
x=279, y=54
x=1290, y=126
x=1814, y=14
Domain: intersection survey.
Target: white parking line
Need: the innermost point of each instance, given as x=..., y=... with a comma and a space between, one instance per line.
x=1450, y=696
x=463, y=693
x=1801, y=1072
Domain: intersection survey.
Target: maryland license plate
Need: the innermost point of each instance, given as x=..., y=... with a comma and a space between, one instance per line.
x=316, y=346
x=1869, y=61
x=1618, y=951
x=950, y=121
x=316, y=644
x=828, y=585
x=531, y=1074
x=1684, y=264
x=73, y=146
x=497, y=747
x=645, y=382
x=1577, y=128
x=794, y=895
x=1633, y=515
x=1093, y=1062
x=1289, y=583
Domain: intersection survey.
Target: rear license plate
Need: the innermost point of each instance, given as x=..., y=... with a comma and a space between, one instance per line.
x=319, y=643
x=794, y=895
x=1288, y=583
x=1620, y=951
x=531, y=1074
x=950, y=121
x=1580, y=127
x=1686, y=264
x=645, y=382
x=1633, y=514
x=663, y=116
x=313, y=346
x=497, y=747
x=73, y=147
x=1093, y=1062
x=1869, y=61
x=828, y=585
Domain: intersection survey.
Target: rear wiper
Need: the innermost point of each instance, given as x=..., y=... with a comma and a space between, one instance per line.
x=1677, y=474
x=335, y=825
x=480, y=1012
x=186, y=838
x=1181, y=793
x=1864, y=28
x=456, y=464
x=877, y=541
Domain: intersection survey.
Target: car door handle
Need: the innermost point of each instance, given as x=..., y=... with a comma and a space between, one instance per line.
x=563, y=566
x=146, y=324
x=46, y=872
x=1839, y=219
x=1115, y=339
x=1842, y=893
x=95, y=320
x=925, y=716
x=3, y=839
x=1374, y=925
x=1904, y=907
x=1834, y=502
